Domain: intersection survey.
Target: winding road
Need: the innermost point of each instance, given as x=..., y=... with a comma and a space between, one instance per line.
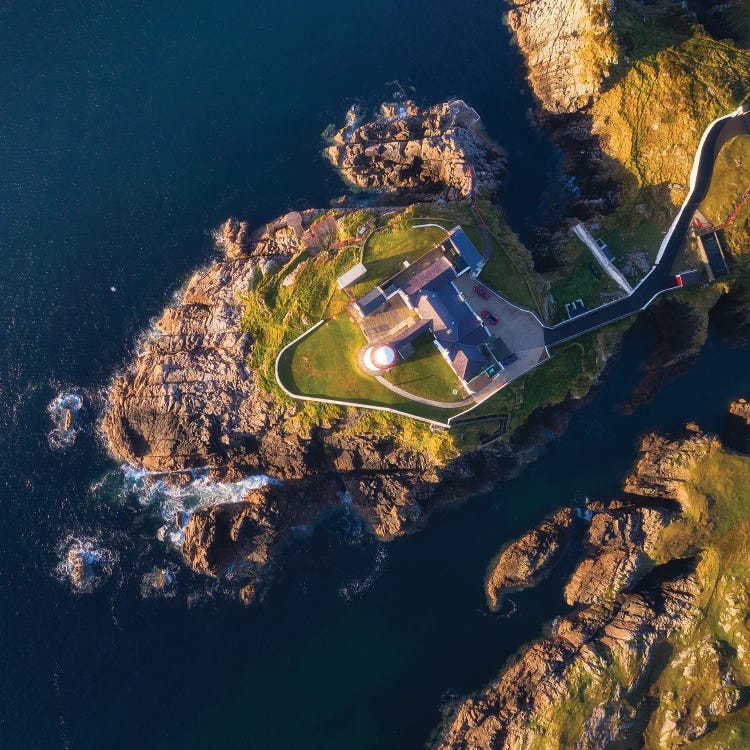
x=660, y=278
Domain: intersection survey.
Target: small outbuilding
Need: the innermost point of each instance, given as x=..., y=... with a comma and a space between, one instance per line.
x=352, y=275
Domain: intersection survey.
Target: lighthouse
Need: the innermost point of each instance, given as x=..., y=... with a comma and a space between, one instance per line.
x=380, y=357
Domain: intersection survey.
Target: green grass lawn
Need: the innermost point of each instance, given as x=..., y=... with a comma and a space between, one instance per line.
x=324, y=365
x=730, y=180
x=275, y=314
x=426, y=373
x=644, y=236
x=386, y=250
x=578, y=280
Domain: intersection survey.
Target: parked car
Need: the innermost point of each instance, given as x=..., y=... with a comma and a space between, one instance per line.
x=509, y=360
x=481, y=291
x=490, y=318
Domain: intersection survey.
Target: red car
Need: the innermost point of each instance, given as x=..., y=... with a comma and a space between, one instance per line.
x=490, y=318
x=481, y=291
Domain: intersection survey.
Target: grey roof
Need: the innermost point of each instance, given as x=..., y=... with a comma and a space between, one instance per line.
x=408, y=335
x=466, y=249
x=499, y=349
x=467, y=361
x=691, y=277
x=371, y=301
x=352, y=275
x=437, y=274
x=457, y=329
x=712, y=248
x=453, y=319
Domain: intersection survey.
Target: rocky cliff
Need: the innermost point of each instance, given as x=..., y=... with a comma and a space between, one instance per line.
x=190, y=403
x=569, y=47
x=414, y=154
x=656, y=654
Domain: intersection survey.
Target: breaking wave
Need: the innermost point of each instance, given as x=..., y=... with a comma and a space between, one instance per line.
x=173, y=505
x=64, y=412
x=84, y=562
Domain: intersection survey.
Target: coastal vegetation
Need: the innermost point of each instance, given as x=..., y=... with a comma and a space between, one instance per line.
x=425, y=373
x=730, y=183
x=655, y=652
x=570, y=373
x=673, y=81
x=324, y=364
x=510, y=268
x=283, y=303
x=394, y=242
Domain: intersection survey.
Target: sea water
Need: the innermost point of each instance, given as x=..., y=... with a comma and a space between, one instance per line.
x=129, y=131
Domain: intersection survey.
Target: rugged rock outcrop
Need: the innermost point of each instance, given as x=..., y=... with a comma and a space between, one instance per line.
x=592, y=680
x=618, y=543
x=241, y=537
x=737, y=433
x=189, y=402
x=437, y=152
x=665, y=465
x=524, y=561
x=570, y=48
x=518, y=709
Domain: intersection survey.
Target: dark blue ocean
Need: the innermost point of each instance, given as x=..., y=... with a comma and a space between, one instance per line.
x=128, y=131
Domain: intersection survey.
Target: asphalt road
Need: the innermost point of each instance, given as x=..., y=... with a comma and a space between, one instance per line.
x=660, y=279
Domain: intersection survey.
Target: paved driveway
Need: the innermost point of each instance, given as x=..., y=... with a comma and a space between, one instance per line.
x=519, y=329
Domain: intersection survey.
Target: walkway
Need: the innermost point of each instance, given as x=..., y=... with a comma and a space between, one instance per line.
x=420, y=400
x=660, y=279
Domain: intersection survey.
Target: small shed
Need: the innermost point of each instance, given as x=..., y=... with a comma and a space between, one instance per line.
x=716, y=265
x=689, y=278
x=604, y=247
x=352, y=275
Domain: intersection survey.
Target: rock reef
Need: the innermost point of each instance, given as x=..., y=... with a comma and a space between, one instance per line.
x=438, y=152
x=638, y=662
x=524, y=561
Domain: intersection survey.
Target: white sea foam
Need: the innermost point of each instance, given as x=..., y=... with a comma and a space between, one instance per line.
x=84, y=562
x=356, y=587
x=63, y=412
x=174, y=504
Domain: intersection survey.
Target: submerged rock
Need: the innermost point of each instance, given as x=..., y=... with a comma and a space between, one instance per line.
x=158, y=582
x=64, y=413
x=524, y=561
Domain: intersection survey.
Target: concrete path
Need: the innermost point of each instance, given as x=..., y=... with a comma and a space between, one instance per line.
x=420, y=400
x=660, y=279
